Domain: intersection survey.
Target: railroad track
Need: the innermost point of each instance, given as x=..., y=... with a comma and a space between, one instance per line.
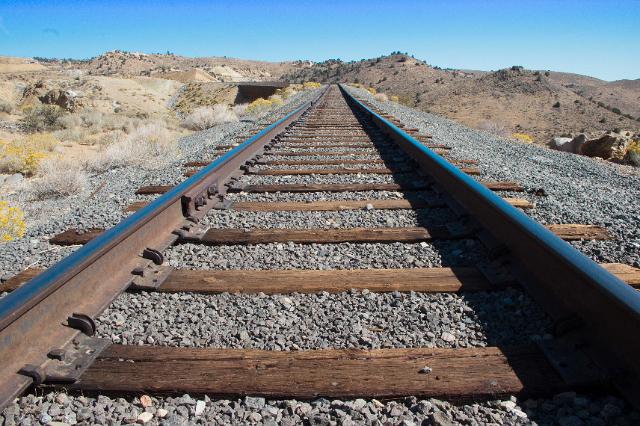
x=358, y=160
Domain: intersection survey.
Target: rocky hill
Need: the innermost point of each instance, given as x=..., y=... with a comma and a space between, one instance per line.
x=128, y=64
x=539, y=103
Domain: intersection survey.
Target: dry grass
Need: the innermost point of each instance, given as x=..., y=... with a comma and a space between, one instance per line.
x=150, y=146
x=493, y=128
x=206, y=117
x=240, y=109
x=57, y=177
x=381, y=97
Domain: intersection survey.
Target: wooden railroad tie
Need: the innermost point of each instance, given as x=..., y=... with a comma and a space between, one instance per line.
x=337, y=171
x=331, y=153
x=388, y=204
x=461, y=373
x=347, y=171
x=569, y=232
x=338, y=162
x=427, y=280
x=496, y=186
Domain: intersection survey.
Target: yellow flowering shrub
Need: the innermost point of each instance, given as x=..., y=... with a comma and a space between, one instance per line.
x=632, y=155
x=394, y=98
x=258, y=105
x=372, y=90
x=311, y=85
x=276, y=100
x=24, y=155
x=12, y=224
x=523, y=137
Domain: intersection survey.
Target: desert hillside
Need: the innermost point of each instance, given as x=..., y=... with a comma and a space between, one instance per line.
x=181, y=68
x=539, y=103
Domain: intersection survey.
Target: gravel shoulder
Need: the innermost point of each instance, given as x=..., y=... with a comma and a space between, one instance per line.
x=103, y=204
x=579, y=189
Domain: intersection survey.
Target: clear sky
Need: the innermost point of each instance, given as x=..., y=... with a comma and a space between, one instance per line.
x=598, y=38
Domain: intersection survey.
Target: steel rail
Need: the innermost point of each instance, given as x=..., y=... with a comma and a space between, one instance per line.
x=603, y=312
x=34, y=317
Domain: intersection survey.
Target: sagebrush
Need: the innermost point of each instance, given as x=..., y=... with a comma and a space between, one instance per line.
x=58, y=177
x=149, y=146
x=206, y=117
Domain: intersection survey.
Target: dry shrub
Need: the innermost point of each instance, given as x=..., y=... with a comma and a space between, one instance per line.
x=494, y=128
x=287, y=92
x=119, y=122
x=381, y=97
x=149, y=146
x=240, y=109
x=69, y=121
x=206, y=117
x=57, y=177
x=5, y=107
x=92, y=120
x=42, y=117
x=74, y=134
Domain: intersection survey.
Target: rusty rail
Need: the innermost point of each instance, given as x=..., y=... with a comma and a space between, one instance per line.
x=45, y=315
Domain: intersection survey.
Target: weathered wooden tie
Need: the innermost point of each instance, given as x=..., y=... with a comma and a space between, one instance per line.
x=496, y=186
x=569, y=232
x=463, y=373
x=428, y=280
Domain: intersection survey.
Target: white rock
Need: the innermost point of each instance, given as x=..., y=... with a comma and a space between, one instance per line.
x=144, y=417
x=519, y=413
x=510, y=405
x=200, y=406
x=448, y=337
x=162, y=413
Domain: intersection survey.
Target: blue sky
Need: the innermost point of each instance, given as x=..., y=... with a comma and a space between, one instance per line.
x=598, y=38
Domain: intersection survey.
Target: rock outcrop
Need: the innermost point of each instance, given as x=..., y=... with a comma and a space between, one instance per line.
x=65, y=99
x=612, y=146
x=572, y=145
